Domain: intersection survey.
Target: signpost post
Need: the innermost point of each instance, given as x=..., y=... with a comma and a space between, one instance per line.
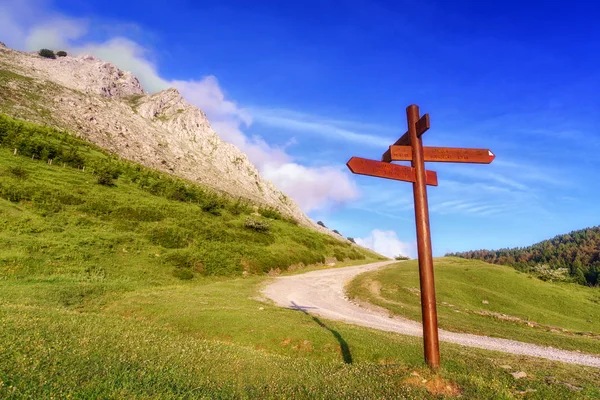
x=410, y=148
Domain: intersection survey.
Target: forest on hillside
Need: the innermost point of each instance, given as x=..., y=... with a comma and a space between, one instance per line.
x=573, y=256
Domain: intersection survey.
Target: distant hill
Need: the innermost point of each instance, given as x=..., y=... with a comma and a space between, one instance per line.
x=574, y=256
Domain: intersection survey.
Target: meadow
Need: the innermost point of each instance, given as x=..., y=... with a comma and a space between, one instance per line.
x=117, y=281
x=493, y=300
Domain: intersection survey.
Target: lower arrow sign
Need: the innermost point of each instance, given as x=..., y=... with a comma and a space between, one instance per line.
x=364, y=166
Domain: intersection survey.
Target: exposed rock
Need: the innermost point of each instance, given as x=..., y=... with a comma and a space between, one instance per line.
x=109, y=107
x=519, y=374
x=572, y=387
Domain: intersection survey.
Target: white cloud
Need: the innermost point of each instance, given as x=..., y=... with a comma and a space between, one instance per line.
x=56, y=33
x=342, y=130
x=130, y=56
x=208, y=95
x=312, y=187
x=387, y=243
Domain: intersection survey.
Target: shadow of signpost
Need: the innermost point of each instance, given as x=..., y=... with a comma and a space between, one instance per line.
x=343, y=345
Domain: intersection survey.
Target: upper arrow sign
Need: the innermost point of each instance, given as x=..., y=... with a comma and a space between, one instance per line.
x=423, y=125
x=363, y=166
x=444, y=154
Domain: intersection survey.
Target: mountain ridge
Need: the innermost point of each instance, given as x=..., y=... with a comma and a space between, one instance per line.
x=109, y=107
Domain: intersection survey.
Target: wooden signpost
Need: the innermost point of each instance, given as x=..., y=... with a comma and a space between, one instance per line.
x=410, y=148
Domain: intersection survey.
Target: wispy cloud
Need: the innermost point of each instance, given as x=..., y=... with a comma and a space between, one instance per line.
x=356, y=132
x=388, y=244
x=311, y=187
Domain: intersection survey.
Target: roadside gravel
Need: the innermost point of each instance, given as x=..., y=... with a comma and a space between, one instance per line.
x=322, y=293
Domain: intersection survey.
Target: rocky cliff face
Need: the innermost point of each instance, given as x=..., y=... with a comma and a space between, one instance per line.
x=109, y=107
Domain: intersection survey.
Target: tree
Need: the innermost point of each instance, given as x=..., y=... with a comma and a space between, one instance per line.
x=47, y=53
x=61, y=53
x=321, y=223
x=351, y=239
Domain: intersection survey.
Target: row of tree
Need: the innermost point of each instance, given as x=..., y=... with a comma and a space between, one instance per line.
x=577, y=251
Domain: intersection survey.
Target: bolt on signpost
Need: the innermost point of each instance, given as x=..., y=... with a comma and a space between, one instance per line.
x=410, y=148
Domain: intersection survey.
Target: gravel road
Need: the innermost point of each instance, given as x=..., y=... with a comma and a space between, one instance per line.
x=322, y=293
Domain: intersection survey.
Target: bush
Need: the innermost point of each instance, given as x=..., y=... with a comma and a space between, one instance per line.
x=47, y=53
x=181, y=259
x=546, y=273
x=336, y=231
x=18, y=172
x=61, y=53
x=240, y=206
x=351, y=239
x=258, y=226
x=107, y=172
x=401, y=257
x=139, y=213
x=16, y=193
x=321, y=223
x=171, y=237
x=183, y=274
x=269, y=212
x=212, y=204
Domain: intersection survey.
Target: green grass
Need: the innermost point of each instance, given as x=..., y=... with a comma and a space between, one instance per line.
x=472, y=296
x=96, y=299
x=210, y=338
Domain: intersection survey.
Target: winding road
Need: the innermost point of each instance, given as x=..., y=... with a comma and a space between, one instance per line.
x=322, y=293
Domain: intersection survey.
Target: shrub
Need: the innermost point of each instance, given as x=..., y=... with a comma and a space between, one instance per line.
x=546, y=273
x=171, y=237
x=106, y=172
x=336, y=231
x=47, y=53
x=269, y=212
x=240, y=206
x=212, y=204
x=18, y=172
x=180, y=259
x=61, y=53
x=258, y=226
x=351, y=239
x=321, y=223
x=401, y=257
x=140, y=213
x=183, y=274
x=16, y=193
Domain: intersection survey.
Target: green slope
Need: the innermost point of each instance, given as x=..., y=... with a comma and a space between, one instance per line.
x=58, y=221
x=493, y=300
x=148, y=288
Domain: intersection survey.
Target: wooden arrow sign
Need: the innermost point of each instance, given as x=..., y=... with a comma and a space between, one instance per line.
x=422, y=126
x=363, y=166
x=444, y=154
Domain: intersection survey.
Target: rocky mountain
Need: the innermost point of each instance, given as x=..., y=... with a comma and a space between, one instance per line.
x=109, y=107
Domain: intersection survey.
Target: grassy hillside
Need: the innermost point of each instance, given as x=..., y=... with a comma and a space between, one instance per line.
x=119, y=282
x=574, y=256
x=90, y=214
x=493, y=300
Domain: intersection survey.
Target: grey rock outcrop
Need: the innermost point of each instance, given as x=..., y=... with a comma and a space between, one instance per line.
x=109, y=107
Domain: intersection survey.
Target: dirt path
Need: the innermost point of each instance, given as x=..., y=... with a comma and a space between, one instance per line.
x=322, y=292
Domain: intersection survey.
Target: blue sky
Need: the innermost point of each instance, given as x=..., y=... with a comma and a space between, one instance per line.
x=303, y=86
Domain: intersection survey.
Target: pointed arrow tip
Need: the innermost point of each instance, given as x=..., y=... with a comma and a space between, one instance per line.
x=492, y=155
x=349, y=164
